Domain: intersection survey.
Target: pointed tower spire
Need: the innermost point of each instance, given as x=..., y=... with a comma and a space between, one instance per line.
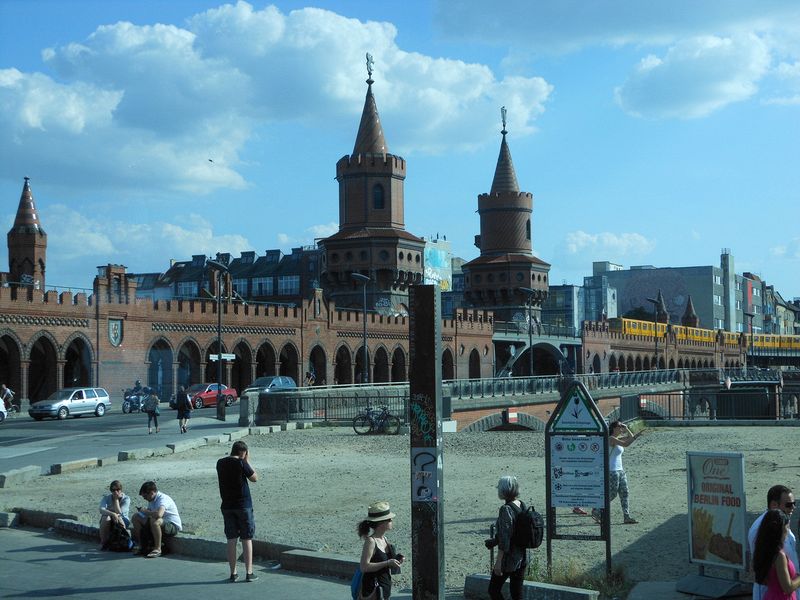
x=662, y=316
x=27, y=243
x=505, y=178
x=27, y=217
x=370, y=138
x=690, y=318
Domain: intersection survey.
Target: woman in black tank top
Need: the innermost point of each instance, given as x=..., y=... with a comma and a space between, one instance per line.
x=378, y=558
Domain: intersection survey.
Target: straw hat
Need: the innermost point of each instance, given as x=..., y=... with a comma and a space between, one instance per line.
x=379, y=511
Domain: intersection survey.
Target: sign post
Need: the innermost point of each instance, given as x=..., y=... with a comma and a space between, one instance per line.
x=576, y=464
x=717, y=526
x=425, y=410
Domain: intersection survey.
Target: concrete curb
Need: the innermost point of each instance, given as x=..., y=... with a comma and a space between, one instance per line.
x=74, y=465
x=319, y=563
x=477, y=586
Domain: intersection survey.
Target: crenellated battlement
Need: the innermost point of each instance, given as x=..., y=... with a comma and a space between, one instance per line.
x=378, y=163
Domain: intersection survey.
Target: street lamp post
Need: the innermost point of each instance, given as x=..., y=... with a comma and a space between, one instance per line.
x=530, y=292
x=220, y=269
x=364, y=280
x=655, y=326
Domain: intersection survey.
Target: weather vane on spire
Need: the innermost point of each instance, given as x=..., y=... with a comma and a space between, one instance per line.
x=370, y=64
x=503, y=113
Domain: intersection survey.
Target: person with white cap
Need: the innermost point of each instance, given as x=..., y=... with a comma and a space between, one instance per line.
x=378, y=557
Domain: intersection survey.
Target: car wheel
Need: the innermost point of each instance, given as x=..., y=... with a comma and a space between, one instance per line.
x=38, y=418
x=198, y=402
x=228, y=400
x=100, y=410
x=63, y=412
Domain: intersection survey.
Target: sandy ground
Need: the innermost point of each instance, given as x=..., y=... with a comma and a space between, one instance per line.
x=316, y=484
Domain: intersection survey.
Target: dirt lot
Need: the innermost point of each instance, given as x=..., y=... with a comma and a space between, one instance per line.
x=316, y=484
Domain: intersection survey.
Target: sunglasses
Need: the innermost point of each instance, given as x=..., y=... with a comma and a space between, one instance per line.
x=790, y=504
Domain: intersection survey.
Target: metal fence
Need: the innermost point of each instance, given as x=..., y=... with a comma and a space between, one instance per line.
x=700, y=405
x=286, y=407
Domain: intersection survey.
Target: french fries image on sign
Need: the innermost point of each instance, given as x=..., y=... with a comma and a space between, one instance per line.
x=702, y=526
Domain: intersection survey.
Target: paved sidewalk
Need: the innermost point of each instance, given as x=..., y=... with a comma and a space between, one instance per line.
x=39, y=564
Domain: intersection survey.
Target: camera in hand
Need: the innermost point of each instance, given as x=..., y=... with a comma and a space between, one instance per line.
x=396, y=570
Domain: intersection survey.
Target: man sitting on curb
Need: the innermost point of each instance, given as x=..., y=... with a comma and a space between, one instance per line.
x=159, y=519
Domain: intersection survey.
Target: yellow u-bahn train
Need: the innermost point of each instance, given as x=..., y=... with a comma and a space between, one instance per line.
x=698, y=334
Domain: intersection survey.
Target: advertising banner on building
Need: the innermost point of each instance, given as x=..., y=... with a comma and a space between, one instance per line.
x=717, y=509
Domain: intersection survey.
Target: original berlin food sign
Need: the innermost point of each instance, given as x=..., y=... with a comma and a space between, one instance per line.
x=717, y=509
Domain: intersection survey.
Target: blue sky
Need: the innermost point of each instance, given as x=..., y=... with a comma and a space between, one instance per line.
x=648, y=132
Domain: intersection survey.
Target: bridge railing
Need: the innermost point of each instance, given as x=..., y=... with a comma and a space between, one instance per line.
x=712, y=405
x=341, y=407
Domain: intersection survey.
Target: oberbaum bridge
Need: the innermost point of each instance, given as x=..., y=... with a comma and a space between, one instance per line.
x=497, y=372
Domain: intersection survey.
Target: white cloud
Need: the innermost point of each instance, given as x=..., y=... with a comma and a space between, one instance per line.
x=615, y=246
x=311, y=234
x=143, y=108
x=73, y=236
x=790, y=250
x=695, y=77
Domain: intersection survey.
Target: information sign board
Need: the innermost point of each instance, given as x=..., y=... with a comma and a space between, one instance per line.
x=577, y=473
x=576, y=412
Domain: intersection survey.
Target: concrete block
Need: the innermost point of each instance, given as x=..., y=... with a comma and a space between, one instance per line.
x=275, y=428
x=17, y=476
x=319, y=563
x=213, y=439
x=260, y=430
x=73, y=465
x=477, y=586
x=271, y=550
x=288, y=426
x=185, y=445
x=162, y=451
x=304, y=425
x=40, y=518
x=135, y=454
x=75, y=529
x=8, y=519
x=197, y=547
x=108, y=460
x=238, y=434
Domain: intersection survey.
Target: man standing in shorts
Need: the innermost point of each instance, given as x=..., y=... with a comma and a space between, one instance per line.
x=234, y=473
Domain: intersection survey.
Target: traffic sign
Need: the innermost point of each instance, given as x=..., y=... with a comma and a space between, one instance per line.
x=576, y=413
x=225, y=356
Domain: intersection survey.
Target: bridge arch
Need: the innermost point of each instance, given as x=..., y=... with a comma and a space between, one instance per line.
x=638, y=364
x=242, y=368
x=343, y=365
x=380, y=371
x=265, y=360
x=43, y=366
x=159, y=367
x=10, y=361
x=448, y=370
x=211, y=365
x=399, y=371
x=612, y=363
x=596, y=364
x=629, y=364
x=289, y=359
x=474, y=364
x=188, y=363
x=494, y=422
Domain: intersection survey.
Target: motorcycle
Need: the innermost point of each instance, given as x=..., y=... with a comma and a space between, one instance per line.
x=132, y=400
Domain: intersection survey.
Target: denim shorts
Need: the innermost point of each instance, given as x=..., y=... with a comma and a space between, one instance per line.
x=239, y=523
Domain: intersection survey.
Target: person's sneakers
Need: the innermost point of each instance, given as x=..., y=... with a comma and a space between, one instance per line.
x=630, y=521
x=233, y=578
x=577, y=510
x=597, y=516
x=251, y=577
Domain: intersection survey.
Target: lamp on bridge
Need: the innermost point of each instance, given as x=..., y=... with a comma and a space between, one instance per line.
x=747, y=356
x=365, y=368
x=655, y=326
x=219, y=268
x=530, y=294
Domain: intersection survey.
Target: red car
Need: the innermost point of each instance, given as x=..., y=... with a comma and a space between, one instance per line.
x=205, y=394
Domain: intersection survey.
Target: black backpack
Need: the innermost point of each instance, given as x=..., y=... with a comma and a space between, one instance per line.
x=119, y=538
x=528, y=530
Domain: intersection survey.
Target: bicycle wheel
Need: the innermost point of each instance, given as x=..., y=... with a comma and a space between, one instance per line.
x=391, y=425
x=362, y=424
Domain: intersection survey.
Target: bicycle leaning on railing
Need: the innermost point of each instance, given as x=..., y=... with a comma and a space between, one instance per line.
x=376, y=420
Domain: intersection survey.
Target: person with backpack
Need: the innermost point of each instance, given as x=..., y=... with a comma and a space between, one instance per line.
x=114, y=509
x=184, y=405
x=150, y=406
x=511, y=558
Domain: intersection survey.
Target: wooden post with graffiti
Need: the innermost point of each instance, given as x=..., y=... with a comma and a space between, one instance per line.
x=425, y=410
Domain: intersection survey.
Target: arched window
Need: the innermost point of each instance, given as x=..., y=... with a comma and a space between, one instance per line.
x=377, y=196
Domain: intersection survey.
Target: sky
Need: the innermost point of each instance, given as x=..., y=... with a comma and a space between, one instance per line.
x=649, y=132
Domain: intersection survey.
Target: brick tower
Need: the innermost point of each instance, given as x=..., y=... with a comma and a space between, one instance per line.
x=372, y=239
x=27, y=244
x=506, y=264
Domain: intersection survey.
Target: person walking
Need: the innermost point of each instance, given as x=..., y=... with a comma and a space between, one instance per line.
x=620, y=437
x=150, y=406
x=378, y=556
x=234, y=474
x=184, y=405
x=775, y=574
x=511, y=560
x=779, y=497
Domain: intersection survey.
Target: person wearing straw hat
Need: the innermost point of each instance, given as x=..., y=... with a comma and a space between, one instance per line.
x=378, y=557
